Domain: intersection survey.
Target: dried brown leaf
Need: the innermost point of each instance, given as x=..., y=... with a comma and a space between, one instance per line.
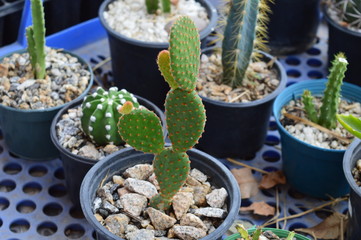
x=272, y=179
x=247, y=183
x=328, y=229
x=260, y=208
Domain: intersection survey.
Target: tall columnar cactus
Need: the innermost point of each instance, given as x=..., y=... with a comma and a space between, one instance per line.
x=35, y=35
x=350, y=11
x=331, y=96
x=245, y=31
x=100, y=114
x=185, y=114
x=153, y=6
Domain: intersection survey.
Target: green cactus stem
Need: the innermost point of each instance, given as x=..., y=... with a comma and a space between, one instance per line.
x=310, y=108
x=100, y=114
x=245, y=31
x=351, y=123
x=332, y=94
x=185, y=114
x=166, y=6
x=153, y=6
x=36, y=40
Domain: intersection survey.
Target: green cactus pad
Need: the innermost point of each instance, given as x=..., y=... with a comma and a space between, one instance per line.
x=142, y=130
x=184, y=48
x=163, y=61
x=100, y=114
x=171, y=169
x=185, y=118
x=160, y=203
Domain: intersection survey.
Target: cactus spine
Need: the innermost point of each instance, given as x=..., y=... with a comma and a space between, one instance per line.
x=331, y=96
x=349, y=11
x=185, y=114
x=245, y=31
x=100, y=114
x=153, y=6
x=35, y=35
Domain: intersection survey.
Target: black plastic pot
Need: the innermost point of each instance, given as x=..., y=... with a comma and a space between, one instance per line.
x=134, y=62
x=117, y=163
x=352, y=154
x=341, y=39
x=239, y=129
x=75, y=167
x=293, y=26
x=27, y=132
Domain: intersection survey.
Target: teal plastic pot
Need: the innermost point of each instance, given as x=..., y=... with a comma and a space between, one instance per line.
x=279, y=232
x=27, y=132
x=309, y=169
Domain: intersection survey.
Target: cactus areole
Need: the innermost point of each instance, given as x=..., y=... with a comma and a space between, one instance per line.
x=185, y=114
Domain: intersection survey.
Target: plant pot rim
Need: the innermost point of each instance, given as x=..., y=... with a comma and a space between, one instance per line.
x=161, y=45
x=347, y=168
x=336, y=25
x=269, y=97
x=39, y=111
x=85, y=186
x=290, y=89
x=55, y=140
x=274, y=230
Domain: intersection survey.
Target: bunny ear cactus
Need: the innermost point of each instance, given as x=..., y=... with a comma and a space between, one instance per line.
x=245, y=31
x=331, y=98
x=185, y=114
x=100, y=114
x=35, y=35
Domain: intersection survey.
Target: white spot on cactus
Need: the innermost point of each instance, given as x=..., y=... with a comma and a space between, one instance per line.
x=110, y=102
x=85, y=98
x=342, y=60
x=123, y=90
x=106, y=93
x=113, y=89
x=107, y=136
x=95, y=94
x=90, y=128
x=119, y=106
x=99, y=106
x=92, y=118
x=123, y=101
x=102, y=99
x=98, y=88
x=108, y=127
x=134, y=99
x=131, y=95
x=88, y=105
x=121, y=96
x=108, y=114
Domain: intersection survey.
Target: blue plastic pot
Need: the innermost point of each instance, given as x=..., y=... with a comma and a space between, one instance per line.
x=27, y=132
x=352, y=154
x=309, y=169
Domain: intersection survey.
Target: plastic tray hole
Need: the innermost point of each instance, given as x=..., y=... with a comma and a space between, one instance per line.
x=94, y=235
x=52, y=209
x=314, y=51
x=249, y=157
x=270, y=169
x=296, y=225
x=19, y=226
x=272, y=126
x=1, y=135
x=301, y=207
x=267, y=193
x=273, y=204
x=246, y=202
x=7, y=185
x=1, y=222
x=291, y=211
x=26, y=206
x=4, y=203
x=32, y=188
x=38, y=171
x=101, y=57
x=94, y=61
x=59, y=173
x=13, y=155
x=76, y=213
x=293, y=61
x=324, y=213
x=313, y=62
x=12, y=168
x=57, y=190
x=295, y=194
x=315, y=74
x=289, y=83
x=317, y=40
x=271, y=156
x=293, y=73
x=74, y=231
x=47, y=229
x=272, y=140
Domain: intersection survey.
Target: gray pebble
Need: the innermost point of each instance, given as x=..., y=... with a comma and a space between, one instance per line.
x=217, y=197
x=142, y=187
x=189, y=233
x=210, y=212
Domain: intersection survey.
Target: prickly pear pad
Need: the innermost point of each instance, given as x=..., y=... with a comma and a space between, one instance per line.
x=164, y=67
x=184, y=48
x=142, y=130
x=171, y=169
x=185, y=118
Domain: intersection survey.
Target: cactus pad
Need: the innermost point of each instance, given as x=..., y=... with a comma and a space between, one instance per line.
x=184, y=48
x=185, y=118
x=142, y=130
x=100, y=114
x=171, y=169
x=164, y=67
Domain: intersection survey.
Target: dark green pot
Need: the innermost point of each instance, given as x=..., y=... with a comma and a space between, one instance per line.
x=27, y=132
x=279, y=232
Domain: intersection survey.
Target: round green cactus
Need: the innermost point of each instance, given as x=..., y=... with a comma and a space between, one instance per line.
x=100, y=114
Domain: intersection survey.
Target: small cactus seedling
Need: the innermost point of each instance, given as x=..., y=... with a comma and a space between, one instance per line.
x=331, y=96
x=153, y=6
x=100, y=114
x=349, y=11
x=256, y=234
x=351, y=123
x=35, y=35
x=185, y=114
x=244, y=33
